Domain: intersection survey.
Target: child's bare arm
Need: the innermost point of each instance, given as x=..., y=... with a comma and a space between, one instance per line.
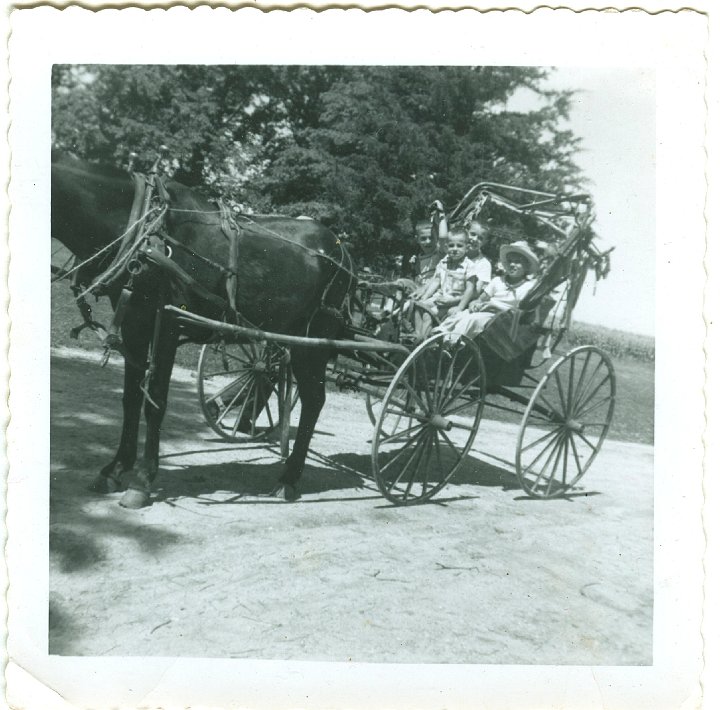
x=432, y=286
x=465, y=298
x=479, y=303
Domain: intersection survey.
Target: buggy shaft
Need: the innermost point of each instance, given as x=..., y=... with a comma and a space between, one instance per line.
x=257, y=334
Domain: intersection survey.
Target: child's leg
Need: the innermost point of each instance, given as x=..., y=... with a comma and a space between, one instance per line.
x=424, y=312
x=425, y=325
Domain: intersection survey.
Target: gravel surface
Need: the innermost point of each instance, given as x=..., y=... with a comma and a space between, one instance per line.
x=481, y=575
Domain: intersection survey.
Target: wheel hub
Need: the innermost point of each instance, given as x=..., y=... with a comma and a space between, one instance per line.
x=440, y=422
x=575, y=426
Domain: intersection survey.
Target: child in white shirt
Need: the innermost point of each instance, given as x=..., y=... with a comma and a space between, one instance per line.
x=450, y=289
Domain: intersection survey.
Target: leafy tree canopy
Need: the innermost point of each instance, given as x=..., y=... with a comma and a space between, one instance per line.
x=363, y=149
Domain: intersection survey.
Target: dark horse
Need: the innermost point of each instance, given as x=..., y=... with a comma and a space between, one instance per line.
x=292, y=277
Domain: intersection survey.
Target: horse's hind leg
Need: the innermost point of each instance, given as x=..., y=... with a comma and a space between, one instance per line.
x=309, y=370
x=138, y=492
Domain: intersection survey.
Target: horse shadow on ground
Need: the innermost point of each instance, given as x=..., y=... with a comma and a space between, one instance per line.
x=247, y=481
x=251, y=482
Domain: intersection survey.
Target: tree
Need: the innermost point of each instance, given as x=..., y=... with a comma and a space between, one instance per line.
x=364, y=149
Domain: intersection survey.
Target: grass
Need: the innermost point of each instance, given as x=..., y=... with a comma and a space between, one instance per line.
x=633, y=359
x=616, y=343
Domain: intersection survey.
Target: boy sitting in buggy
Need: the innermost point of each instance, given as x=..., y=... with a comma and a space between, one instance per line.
x=450, y=289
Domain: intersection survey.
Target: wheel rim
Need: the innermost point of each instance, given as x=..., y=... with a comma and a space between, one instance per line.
x=381, y=378
x=238, y=389
x=439, y=392
x=565, y=423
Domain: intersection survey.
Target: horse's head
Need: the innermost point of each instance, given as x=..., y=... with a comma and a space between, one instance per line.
x=89, y=204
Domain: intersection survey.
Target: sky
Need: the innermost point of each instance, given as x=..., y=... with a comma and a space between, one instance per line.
x=613, y=112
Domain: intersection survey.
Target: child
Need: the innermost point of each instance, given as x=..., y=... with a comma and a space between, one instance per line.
x=477, y=237
x=426, y=260
x=451, y=287
x=501, y=294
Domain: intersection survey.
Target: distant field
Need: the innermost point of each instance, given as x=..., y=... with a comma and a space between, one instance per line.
x=633, y=358
x=616, y=343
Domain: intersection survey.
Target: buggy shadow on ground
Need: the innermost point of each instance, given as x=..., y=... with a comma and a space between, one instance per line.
x=213, y=568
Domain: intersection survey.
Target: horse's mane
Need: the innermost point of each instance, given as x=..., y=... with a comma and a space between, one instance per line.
x=100, y=170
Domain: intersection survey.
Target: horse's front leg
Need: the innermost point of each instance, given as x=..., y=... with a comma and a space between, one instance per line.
x=309, y=370
x=136, y=337
x=140, y=486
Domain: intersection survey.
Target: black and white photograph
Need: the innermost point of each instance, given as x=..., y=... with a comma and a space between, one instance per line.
x=351, y=358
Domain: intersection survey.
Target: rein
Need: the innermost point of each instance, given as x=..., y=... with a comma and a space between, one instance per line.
x=89, y=260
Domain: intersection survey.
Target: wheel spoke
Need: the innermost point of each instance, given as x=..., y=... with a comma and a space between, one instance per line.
x=252, y=352
x=467, y=403
x=432, y=446
x=460, y=393
x=438, y=372
x=228, y=388
x=452, y=446
x=541, y=474
x=225, y=373
x=389, y=438
x=594, y=392
x=447, y=388
x=581, y=379
x=552, y=408
x=575, y=455
x=581, y=395
x=588, y=442
x=399, y=451
x=426, y=463
x=254, y=413
x=557, y=433
x=571, y=382
x=566, y=451
x=422, y=381
x=234, y=399
x=558, y=455
x=587, y=410
x=438, y=453
x=562, y=394
x=405, y=413
x=420, y=449
x=537, y=441
x=411, y=391
x=410, y=459
x=241, y=411
x=541, y=418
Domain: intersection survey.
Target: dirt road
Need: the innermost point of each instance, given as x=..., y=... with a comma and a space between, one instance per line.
x=482, y=575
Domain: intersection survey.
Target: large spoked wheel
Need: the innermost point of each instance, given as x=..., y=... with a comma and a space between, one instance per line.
x=243, y=389
x=428, y=419
x=565, y=422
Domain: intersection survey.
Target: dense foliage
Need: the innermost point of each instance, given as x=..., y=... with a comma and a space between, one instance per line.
x=363, y=149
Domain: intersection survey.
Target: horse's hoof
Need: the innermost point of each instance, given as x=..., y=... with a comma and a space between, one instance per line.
x=134, y=499
x=290, y=493
x=287, y=491
x=104, y=485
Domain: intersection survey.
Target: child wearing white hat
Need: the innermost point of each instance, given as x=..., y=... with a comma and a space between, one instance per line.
x=501, y=294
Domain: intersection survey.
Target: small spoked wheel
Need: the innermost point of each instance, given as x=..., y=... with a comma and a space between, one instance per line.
x=243, y=388
x=428, y=419
x=565, y=422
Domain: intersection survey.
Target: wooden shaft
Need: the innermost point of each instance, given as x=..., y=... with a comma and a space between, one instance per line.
x=256, y=334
